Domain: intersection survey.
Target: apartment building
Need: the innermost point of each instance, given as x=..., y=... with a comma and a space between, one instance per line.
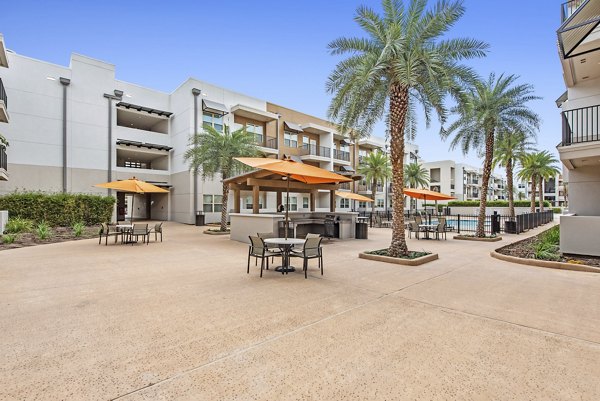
x=4, y=117
x=554, y=188
x=579, y=150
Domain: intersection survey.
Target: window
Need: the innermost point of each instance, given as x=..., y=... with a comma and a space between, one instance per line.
x=132, y=164
x=212, y=120
x=212, y=203
x=290, y=139
x=344, y=203
x=249, y=202
x=257, y=130
x=293, y=203
x=379, y=203
x=362, y=205
x=305, y=202
x=344, y=147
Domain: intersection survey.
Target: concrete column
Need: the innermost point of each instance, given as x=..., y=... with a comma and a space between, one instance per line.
x=313, y=200
x=255, y=199
x=64, y=82
x=236, y=201
x=332, y=201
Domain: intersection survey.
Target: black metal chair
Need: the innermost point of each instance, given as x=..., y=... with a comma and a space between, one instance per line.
x=259, y=250
x=413, y=227
x=105, y=231
x=441, y=228
x=311, y=250
x=157, y=230
x=139, y=230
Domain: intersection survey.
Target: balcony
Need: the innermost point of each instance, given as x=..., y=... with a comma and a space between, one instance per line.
x=341, y=155
x=580, y=136
x=314, y=150
x=579, y=19
x=3, y=164
x=3, y=104
x=567, y=9
x=266, y=145
x=345, y=185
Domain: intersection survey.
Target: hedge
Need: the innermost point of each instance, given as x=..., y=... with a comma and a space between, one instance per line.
x=59, y=209
x=497, y=203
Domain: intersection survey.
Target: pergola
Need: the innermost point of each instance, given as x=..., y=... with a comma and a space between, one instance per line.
x=266, y=181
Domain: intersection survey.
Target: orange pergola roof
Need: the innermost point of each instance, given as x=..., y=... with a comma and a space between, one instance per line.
x=298, y=171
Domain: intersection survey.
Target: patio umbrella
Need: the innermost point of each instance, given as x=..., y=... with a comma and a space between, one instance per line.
x=353, y=196
x=298, y=171
x=425, y=194
x=132, y=185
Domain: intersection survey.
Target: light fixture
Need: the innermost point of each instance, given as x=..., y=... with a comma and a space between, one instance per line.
x=128, y=95
x=51, y=78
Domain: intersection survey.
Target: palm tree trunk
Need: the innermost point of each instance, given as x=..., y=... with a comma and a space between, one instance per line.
x=224, y=207
x=541, y=194
x=487, y=172
x=373, y=190
x=398, y=109
x=509, y=187
x=533, y=185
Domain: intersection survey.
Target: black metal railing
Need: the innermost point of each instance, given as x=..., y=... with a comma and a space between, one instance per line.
x=568, y=8
x=3, y=94
x=3, y=159
x=341, y=155
x=345, y=185
x=270, y=143
x=316, y=150
x=580, y=125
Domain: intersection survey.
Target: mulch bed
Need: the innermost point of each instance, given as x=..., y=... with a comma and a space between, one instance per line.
x=59, y=234
x=523, y=249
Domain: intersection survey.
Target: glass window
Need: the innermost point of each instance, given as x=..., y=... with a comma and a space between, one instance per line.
x=379, y=203
x=293, y=203
x=344, y=147
x=208, y=203
x=290, y=139
x=217, y=203
x=249, y=202
x=213, y=120
x=305, y=202
x=344, y=203
x=257, y=130
x=362, y=204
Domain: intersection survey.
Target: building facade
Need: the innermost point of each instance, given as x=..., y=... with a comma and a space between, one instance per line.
x=4, y=116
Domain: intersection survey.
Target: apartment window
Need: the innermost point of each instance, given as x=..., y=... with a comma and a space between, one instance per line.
x=290, y=139
x=249, y=202
x=305, y=202
x=133, y=164
x=257, y=130
x=212, y=203
x=362, y=204
x=379, y=203
x=344, y=203
x=212, y=120
x=293, y=202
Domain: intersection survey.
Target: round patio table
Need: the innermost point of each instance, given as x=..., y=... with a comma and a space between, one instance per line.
x=286, y=245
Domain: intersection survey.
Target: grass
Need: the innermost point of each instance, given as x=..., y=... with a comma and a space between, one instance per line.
x=546, y=247
x=8, y=238
x=16, y=225
x=78, y=229
x=43, y=230
x=411, y=254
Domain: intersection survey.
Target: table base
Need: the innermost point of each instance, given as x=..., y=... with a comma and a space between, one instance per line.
x=284, y=269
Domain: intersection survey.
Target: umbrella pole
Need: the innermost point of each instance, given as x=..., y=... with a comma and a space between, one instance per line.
x=287, y=208
x=132, y=202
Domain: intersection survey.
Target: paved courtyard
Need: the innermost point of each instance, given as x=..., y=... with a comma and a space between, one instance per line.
x=181, y=320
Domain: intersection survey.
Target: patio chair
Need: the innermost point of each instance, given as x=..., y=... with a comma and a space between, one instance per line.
x=310, y=235
x=105, y=231
x=413, y=227
x=139, y=230
x=312, y=250
x=157, y=229
x=259, y=250
x=441, y=228
x=274, y=248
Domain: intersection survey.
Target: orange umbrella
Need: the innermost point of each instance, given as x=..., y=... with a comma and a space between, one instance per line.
x=298, y=171
x=426, y=194
x=132, y=185
x=353, y=196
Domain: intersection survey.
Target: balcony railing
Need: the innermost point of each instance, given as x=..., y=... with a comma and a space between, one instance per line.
x=345, y=185
x=315, y=150
x=3, y=94
x=3, y=159
x=270, y=143
x=567, y=9
x=341, y=155
x=580, y=125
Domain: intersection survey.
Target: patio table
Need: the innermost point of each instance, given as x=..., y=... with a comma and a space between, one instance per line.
x=285, y=244
x=124, y=229
x=428, y=228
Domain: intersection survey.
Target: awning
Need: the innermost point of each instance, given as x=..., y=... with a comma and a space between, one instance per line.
x=581, y=20
x=563, y=98
x=293, y=126
x=214, y=107
x=148, y=110
x=253, y=114
x=346, y=142
x=347, y=169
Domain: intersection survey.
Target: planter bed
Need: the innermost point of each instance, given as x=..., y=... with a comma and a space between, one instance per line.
x=546, y=263
x=400, y=261
x=485, y=239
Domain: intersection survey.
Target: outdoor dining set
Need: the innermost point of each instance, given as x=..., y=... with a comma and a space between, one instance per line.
x=130, y=233
x=418, y=226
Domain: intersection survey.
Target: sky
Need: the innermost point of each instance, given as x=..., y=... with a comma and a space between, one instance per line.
x=277, y=50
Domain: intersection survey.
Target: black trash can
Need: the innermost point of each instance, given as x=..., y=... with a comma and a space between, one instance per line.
x=199, y=218
x=362, y=230
x=510, y=227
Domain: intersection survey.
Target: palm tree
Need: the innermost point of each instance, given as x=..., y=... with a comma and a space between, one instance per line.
x=375, y=167
x=404, y=60
x=536, y=167
x=3, y=141
x=493, y=106
x=212, y=152
x=415, y=176
x=509, y=150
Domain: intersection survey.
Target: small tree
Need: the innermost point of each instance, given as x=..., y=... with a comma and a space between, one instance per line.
x=376, y=168
x=536, y=167
x=212, y=153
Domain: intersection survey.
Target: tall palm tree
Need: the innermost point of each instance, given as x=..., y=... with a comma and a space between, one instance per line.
x=404, y=59
x=493, y=106
x=536, y=167
x=509, y=150
x=376, y=168
x=415, y=176
x=212, y=153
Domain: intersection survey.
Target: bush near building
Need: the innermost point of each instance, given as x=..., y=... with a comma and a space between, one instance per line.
x=497, y=203
x=58, y=209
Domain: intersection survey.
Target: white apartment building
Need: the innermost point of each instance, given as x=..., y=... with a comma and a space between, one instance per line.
x=554, y=191
x=4, y=117
x=579, y=150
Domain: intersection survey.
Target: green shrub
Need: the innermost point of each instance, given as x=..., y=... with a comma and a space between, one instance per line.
x=8, y=238
x=557, y=210
x=43, y=230
x=547, y=246
x=59, y=209
x=78, y=229
x=498, y=203
x=16, y=225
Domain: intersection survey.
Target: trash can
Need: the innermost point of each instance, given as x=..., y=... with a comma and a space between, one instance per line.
x=510, y=227
x=495, y=223
x=362, y=230
x=199, y=218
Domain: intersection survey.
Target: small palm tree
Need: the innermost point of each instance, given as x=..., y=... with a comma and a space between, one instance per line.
x=493, y=106
x=536, y=167
x=404, y=60
x=212, y=153
x=415, y=176
x=376, y=168
x=509, y=150
x=3, y=141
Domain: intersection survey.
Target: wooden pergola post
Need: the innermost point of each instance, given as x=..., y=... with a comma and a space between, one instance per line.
x=279, y=199
x=332, y=201
x=236, y=201
x=313, y=200
x=255, y=199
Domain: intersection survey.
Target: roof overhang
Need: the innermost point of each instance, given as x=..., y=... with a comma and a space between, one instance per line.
x=214, y=107
x=253, y=114
x=370, y=144
x=316, y=129
x=149, y=110
x=575, y=30
x=293, y=126
x=562, y=98
x=3, y=57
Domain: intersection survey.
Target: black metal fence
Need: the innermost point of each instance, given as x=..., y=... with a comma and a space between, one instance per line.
x=3, y=94
x=467, y=223
x=580, y=125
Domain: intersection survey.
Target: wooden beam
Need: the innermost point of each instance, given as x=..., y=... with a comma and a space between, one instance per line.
x=236, y=201
x=332, y=201
x=293, y=184
x=255, y=195
x=279, y=199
